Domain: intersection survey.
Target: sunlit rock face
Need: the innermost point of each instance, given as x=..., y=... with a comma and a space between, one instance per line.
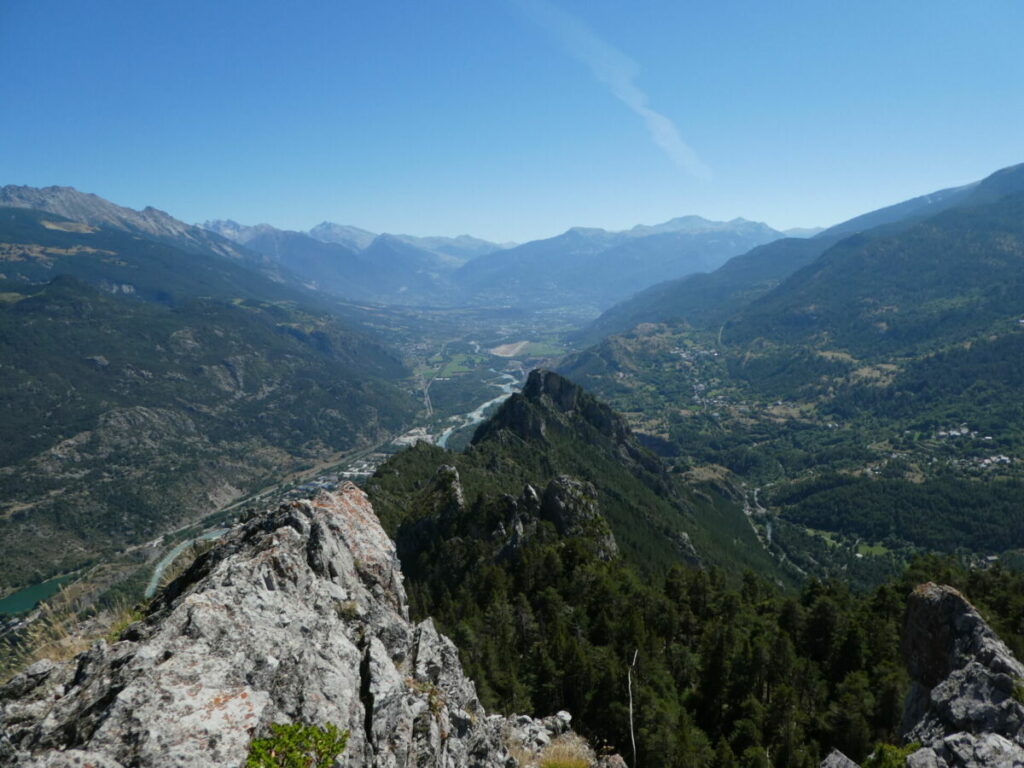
x=299, y=615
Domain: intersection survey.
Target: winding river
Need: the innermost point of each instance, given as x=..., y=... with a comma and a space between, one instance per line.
x=170, y=557
x=475, y=417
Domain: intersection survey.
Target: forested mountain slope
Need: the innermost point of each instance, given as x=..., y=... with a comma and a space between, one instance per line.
x=707, y=300
x=870, y=402
x=553, y=605
x=146, y=384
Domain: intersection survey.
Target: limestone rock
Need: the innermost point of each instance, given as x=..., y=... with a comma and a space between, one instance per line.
x=837, y=759
x=962, y=705
x=572, y=506
x=298, y=615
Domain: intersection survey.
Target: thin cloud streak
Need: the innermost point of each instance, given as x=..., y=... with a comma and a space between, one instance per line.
x=618, y=72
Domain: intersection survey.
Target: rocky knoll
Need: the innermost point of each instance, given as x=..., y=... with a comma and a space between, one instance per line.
x=965, y=706
x=298, y=615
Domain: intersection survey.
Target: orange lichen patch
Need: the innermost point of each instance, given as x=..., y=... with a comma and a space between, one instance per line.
x=351, y=515
x=222, y=702
x=70, y=226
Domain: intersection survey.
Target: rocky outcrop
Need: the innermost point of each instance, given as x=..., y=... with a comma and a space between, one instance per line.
x=571, y=505
x=549, y=400
x=298, y=615
x=965, y=707
x=837, y=759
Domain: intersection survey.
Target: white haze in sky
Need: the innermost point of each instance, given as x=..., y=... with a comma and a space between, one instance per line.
x=618, y=72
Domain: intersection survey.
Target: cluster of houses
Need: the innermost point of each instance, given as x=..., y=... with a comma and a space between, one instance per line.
x=962, y=431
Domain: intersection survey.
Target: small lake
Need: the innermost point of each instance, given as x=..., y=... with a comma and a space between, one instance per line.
x=24, y=600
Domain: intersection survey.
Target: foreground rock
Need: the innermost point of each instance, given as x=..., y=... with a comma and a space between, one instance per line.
x=297, y=616
x=965, y=703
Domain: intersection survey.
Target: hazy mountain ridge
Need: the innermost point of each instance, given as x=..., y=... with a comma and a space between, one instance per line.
x=705, y=300
x=584, y=265
x=356, y=264
x=596, y=267
x=85, y=207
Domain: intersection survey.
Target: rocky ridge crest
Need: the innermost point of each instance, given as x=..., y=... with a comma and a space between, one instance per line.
x=298, y=615
x=94, y=210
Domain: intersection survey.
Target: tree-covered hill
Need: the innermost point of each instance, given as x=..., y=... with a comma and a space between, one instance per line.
x=869, y=403
x=944, y=280
x=554, y=429
x=533, y=562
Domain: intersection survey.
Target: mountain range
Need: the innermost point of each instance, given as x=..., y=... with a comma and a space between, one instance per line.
x=698, y=535
x=705, y=300
x=583, y=267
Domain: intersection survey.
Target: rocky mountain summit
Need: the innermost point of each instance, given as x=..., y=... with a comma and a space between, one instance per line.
x=93, y=210
x=299, y=615
x=965, y=707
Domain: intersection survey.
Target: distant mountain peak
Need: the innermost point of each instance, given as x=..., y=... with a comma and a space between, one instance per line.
x=693, y=225
x=342, y=234
x=92, y=209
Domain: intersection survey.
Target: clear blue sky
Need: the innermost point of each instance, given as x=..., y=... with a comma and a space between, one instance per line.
x=509, y=119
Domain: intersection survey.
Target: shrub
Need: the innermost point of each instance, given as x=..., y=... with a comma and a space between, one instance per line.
x=888, y=756
x=297, y=746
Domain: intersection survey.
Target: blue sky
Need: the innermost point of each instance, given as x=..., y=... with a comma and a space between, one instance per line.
x=509, y=119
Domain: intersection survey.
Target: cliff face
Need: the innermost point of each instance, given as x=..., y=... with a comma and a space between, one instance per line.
x=297, y=616
x=965, y=707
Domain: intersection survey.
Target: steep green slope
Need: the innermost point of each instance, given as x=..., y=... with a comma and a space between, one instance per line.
x=940, y=281
x=554, y=428
x=121, y=418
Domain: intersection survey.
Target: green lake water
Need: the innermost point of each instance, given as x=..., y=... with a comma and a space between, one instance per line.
x=26, y=599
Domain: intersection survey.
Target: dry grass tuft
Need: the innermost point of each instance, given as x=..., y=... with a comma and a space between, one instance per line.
x=567, y=751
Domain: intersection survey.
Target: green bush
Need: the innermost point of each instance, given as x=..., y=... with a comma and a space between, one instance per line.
x=297, y=746
x=888, y=756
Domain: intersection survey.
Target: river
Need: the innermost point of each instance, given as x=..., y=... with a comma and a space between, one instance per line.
x=158, y=572
x=477, y=416
x=24, y=600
